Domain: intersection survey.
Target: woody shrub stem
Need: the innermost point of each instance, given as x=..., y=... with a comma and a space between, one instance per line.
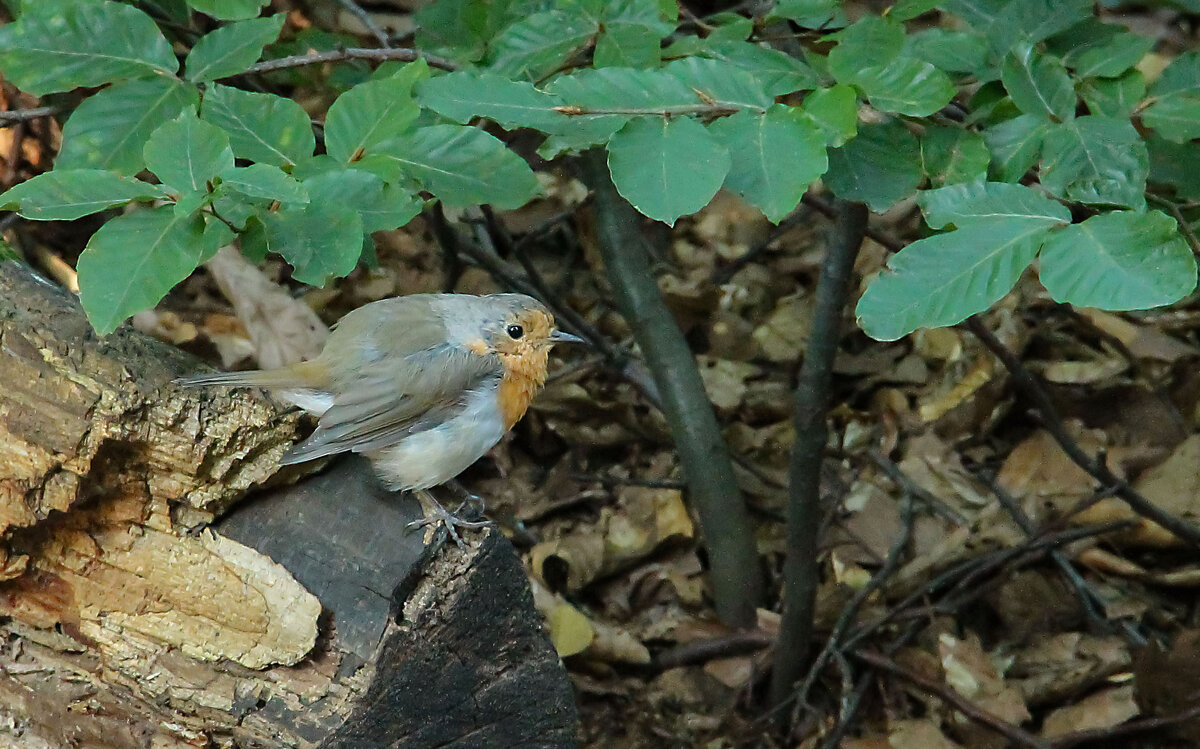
x=728, y=532
x=811, y=399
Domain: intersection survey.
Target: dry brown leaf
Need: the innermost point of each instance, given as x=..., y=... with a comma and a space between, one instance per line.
x=1095, y=370
x=1055, y=666
x=1143, y=341
x=725, y=381
x=961, y=390
x=1104, y=709
x=284, y=330
x=783, y=336
x=973, y=673
x=918, y=734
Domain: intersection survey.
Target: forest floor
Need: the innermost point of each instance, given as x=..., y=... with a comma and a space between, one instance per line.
x=972, y=571
x=979, y=588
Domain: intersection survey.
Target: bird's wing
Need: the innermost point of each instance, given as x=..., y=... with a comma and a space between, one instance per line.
x=387, y=401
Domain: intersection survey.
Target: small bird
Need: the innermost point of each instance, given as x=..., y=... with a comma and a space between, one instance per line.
x=423, y=385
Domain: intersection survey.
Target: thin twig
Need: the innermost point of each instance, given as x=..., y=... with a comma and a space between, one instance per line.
x=1033, y=390
x=901, y=479
x=724, y=273
x=350, y=53
x=728, y=530
x=1092, y=602
x=25, y=115
x=608, y=481
x=945, y=693
x=801, y=574
x=850, y=611
x=1125, y=730
x=366, y=20
x=702, y=651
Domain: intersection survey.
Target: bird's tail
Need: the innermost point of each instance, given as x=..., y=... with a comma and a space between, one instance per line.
x=303, y=375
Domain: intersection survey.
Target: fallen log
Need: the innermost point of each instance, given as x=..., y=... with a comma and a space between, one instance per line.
x=143, y=603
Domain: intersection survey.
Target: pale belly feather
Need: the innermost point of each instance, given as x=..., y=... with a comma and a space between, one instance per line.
x=437, y=455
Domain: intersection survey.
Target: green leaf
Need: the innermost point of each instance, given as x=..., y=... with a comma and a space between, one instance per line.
x=628, y=45
x=1096, y=160
x=109, y=129
x=231, y=49
x=264, y=181
x=1094, y=49
x=228, y=10
x=1038, y=84
x=460, y=29
x=261, y=127
x=944, y=279
x=1114, y=97
x=1174, y=165
x=321, y=240
x=952, y=51
x=625, y=90
x=834, y=111
x=135, y=259
x=868, y=43
x=1175, y=109
x=951, y=154
x=540, y=43
x=905, y=86
x=367, y=115
x=1015, y=145
x=186, y=154
x=1118, y=261
x=60, y=47
x=1011, y=22
x=463, y=166
x=811, y=14
x=880, y=167
x=63, y=195
x=965, y=204
x=382, y=207
x=774, y=157
x=721, y=83
x=777, y=72
x=906, y=10
x=729, y=26
x=511, y=104
x=667, y=167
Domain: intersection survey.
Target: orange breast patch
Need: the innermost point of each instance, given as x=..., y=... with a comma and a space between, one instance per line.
x=523, y=377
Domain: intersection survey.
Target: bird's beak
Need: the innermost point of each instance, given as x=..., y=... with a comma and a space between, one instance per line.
x=560, y=337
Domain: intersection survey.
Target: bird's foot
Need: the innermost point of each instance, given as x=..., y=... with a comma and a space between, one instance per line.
x=436, y=515
x=473, y=502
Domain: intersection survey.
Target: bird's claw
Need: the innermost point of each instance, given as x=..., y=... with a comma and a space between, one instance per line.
x=435, y=514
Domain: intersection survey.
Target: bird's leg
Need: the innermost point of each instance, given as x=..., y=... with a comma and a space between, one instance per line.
x=470, y=500
x=436, y=514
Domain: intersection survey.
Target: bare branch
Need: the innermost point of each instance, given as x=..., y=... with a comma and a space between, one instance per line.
x=351, y=53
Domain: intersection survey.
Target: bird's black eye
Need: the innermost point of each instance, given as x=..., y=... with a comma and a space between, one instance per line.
x=515, y=332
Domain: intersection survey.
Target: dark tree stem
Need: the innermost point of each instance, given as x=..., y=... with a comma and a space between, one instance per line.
x=728, y=531
x=804, y=514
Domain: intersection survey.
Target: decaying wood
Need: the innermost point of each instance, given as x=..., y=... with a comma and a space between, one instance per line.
x=131, y=621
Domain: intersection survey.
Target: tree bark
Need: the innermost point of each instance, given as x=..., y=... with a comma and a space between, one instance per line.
x=307, y=617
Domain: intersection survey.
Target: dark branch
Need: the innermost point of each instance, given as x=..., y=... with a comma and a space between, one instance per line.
x=800, y=569
x=728, y=531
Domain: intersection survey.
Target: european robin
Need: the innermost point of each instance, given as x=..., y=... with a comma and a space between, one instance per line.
x=423, y=385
